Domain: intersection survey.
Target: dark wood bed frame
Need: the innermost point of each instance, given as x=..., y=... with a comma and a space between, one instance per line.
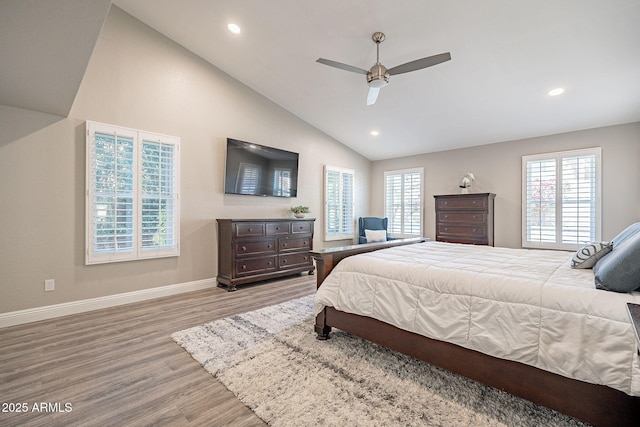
x=598, y=405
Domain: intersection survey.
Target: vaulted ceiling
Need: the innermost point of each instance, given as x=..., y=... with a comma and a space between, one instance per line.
x=45, y=47
x=506, y=56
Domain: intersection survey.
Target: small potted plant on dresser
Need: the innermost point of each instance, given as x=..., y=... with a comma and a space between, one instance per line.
x=300, y=211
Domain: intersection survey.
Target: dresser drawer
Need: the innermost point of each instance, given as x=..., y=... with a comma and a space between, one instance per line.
x=276, y=228
x=250, y=229
x=294, y=260
x=469, y=217
x=254, y=247
x=459, y=203
x=472, y=231
x=289, y=244
x=251, y=266
x=302, y=227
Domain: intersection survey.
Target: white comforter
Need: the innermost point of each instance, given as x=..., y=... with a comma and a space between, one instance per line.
x=516, y=304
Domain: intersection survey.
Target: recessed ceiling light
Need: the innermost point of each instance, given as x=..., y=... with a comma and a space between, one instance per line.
x=555, y=92
x=375, y=133
x=234, y=29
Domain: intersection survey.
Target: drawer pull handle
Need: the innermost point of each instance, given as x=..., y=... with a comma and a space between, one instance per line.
x=446, y=216
x=446, y=229
x=277, y=228
x=269, y=263
x=244, y=248
x=284, y=245
x=250, y=229
x=269, y=246
x=474, y=202
x=284, y=261
x=244, y=267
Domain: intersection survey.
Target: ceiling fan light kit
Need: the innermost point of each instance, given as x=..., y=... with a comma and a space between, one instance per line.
x=378, y=75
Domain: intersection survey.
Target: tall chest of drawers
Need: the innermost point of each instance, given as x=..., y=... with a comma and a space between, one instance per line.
x=465, y=218
x=251, y=250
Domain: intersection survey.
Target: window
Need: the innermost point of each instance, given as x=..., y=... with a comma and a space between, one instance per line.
x=339, y=206
x=132, y=194
x=561, y=199
x=403, y=202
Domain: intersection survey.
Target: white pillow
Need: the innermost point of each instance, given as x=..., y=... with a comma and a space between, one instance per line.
x=588, y=255
x=375, y=235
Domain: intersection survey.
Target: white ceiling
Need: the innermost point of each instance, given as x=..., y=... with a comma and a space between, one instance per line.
x=506, y=54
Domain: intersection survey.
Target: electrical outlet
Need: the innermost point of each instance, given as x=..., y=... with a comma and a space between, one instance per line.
x=49, y=285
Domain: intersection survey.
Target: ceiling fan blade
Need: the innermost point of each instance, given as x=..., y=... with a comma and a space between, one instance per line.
x=420, y=63
x=341, y=66
x=372, y=95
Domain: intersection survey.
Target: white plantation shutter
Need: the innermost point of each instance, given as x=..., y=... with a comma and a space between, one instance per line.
x=541, y=200
x=132, y=208
x=112, y=190
x=561, y=199
x=158, y=196
x=403, y=197
x=412, y=202
x=579, y=199
x=393, y=203
x=339, y=203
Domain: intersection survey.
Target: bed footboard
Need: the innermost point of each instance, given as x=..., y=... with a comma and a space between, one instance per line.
x=327, y=259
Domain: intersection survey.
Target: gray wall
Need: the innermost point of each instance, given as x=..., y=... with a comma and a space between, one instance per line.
x=497, y=168
x=140, y=79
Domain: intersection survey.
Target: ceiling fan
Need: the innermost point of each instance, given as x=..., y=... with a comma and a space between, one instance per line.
x=378, y=75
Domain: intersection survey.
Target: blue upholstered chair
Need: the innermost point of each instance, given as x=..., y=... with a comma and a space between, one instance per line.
x=371, y=223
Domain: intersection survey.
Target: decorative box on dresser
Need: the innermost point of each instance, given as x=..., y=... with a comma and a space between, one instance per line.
x=465, y=218
x=252, y=250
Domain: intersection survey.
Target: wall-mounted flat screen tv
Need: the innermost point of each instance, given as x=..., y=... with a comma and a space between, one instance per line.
x=258, y=170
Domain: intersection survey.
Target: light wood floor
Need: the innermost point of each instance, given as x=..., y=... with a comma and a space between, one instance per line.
x=120, y=367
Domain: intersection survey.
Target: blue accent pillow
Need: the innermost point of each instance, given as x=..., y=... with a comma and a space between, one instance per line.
x=619, y=271
x=626, y=234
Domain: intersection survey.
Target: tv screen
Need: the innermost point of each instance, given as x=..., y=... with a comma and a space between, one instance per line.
x=258, y=170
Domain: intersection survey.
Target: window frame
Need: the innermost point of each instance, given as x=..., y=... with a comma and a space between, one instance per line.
x=558, y=244
x=346, y=224
x=140, y=140
x=403, y=173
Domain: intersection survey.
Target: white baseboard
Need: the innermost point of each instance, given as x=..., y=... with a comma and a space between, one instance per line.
x=58, y=310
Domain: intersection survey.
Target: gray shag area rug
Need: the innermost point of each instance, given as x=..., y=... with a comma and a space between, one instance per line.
x=270, y=359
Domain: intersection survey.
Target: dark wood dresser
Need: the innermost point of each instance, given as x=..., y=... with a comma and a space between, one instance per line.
x=251, y=250
x=465, y=218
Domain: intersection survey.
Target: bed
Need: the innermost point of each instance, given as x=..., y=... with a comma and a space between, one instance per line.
x=519, y=320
